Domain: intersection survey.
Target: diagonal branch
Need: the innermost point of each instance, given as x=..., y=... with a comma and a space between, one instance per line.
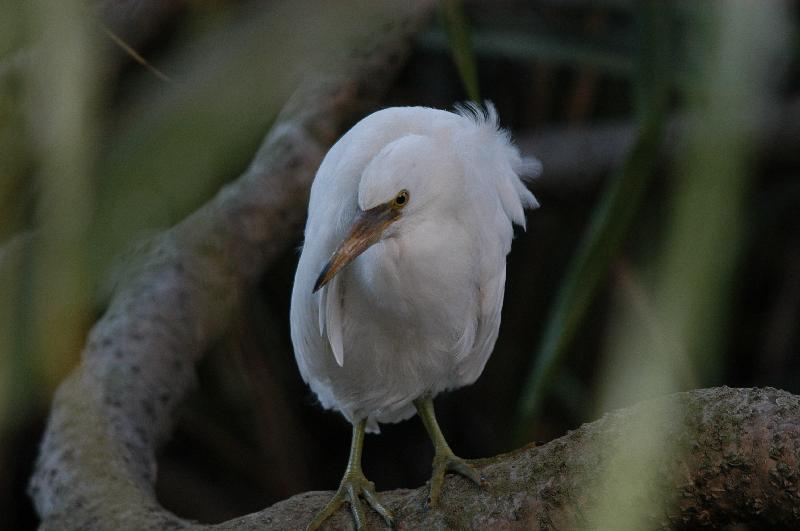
x=97, y=466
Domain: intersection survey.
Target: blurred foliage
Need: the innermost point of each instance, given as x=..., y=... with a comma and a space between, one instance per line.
x=172, y=145
x=527, y=44
x=679, y=270
x=91, y=167
x=103, y=181
x=612, y=216
x=673, y=338
x=458, y=34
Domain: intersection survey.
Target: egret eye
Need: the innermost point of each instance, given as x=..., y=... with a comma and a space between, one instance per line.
x=400, y=199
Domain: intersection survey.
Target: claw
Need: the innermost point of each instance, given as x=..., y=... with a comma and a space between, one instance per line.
x=353, y=486
x=448, y=462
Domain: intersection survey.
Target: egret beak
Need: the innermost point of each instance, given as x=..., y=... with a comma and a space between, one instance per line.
x=365, y=231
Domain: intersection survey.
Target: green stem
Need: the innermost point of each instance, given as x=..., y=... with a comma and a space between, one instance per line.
x=458, y=35
x=611, y=219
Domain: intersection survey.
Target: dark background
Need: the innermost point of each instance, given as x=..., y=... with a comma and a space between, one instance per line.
x=252, y=433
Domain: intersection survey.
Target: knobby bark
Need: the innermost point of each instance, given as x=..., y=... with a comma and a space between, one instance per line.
x=726, y=455
x=97, y=465
x=738, y=449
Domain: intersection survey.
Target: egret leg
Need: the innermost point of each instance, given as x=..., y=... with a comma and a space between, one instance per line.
x=353, y=485
x=444, y=460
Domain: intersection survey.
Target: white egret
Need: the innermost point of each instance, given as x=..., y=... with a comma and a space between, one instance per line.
x=399, y=287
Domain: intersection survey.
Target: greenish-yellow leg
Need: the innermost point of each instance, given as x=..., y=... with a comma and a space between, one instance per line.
x=444, y=459
x=353, y=485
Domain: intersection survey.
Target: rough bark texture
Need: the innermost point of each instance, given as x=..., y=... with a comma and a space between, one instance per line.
x=737, y=450
x=728, y=455
x=97, y=464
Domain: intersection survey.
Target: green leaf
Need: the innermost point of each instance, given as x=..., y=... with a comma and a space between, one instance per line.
x=458, y=36
x=540, y=46
x=612, y=217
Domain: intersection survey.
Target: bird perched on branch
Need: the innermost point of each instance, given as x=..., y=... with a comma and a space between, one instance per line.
x=399, y=287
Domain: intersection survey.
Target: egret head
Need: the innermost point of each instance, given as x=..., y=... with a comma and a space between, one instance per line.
x=406, y=178
x=464, y=168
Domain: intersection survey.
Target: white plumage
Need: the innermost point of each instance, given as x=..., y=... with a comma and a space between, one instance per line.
x=418, y=311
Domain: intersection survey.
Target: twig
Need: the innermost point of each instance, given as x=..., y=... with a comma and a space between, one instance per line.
x=136, y=56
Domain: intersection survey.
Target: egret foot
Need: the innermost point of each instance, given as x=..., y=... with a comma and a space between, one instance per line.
x=353, y=485
x=447, y=461
x=444, y=460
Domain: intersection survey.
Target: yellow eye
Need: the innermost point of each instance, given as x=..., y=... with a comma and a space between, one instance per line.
x=400, y=200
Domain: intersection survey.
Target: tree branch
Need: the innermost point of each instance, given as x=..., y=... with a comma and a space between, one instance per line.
x=738, y=460
x=97, y=467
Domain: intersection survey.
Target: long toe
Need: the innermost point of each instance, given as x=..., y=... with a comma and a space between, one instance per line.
x=461, y=466
x=375, y=502
x=331, y=507
x=355, y=507
x=450, y=463
x=350, y=491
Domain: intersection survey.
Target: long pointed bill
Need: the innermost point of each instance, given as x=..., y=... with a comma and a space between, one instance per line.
x=365, y=231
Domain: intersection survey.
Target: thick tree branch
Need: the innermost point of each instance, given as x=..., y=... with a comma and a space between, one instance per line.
x=97, y=465
x=726, y=455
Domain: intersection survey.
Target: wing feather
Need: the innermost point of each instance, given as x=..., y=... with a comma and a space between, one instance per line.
x=322, y=303
x=333, y=319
